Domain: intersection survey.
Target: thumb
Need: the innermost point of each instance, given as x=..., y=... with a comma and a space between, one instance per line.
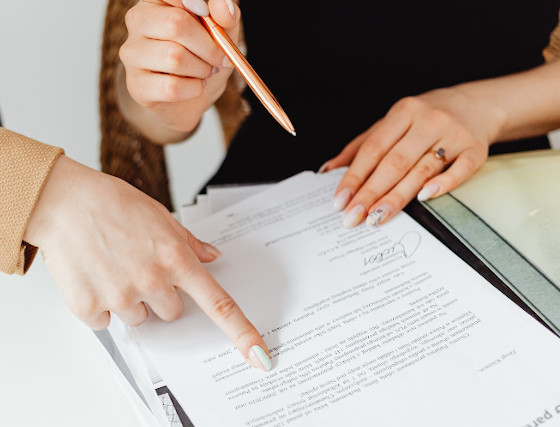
x=227, y=15
x=205, y=252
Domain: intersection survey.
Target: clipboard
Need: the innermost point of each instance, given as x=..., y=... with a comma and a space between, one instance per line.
x=461, y=221
x=466, y=234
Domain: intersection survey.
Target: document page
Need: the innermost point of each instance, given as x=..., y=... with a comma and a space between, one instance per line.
x=368, y=326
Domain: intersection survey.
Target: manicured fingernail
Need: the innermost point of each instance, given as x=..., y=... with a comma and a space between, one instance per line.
x=259, y=358
x=204, y=83
x=198, y=7
x=428, y=191
x=231, y=8
x=378, y=215
x=354, y=217
x=215, y=70
x=226, y=63
x=212, y=250
x=323, y=168
x=342, y=199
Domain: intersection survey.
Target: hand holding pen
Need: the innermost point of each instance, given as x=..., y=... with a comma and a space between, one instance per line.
x=175, y=70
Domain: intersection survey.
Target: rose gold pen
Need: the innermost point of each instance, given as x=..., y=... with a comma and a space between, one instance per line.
x=250, y=76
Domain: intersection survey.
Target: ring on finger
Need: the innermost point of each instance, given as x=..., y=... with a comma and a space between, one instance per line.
x=440, y=155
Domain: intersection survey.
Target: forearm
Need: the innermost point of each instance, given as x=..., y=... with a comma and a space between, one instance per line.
x=525, y=104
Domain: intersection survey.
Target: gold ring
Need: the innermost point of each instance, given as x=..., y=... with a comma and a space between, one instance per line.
x=440, y=155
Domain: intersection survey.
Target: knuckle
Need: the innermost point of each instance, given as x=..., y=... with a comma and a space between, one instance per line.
x=371, y=151
x=408, y=103
x=99, y=324
x=171, y=89
x=123, y=52
x=121, y=302
x=173, y=313
x=152, y=282
x=367, y=196
x=84, y=306
x=425, y=171
x=172, y=254
x=398, y=201
x=452, y=182
x=245, y=335
x=470, y=165
x=175, y=24
x=224, y=306
x=398, y=162
x=131, y=17
x=139, y=319
x=439, y=118
x=173, y=56
x=351, y=179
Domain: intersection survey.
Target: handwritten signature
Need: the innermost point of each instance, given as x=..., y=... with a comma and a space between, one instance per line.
x=407, y=245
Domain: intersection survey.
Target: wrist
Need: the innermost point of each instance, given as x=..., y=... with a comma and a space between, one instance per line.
x=488, y=115
x=53, y=201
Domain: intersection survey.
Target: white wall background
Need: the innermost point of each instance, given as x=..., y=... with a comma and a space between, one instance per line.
x=50, y=53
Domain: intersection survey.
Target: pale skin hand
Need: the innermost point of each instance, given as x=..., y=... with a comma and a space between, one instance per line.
x=111, y=248
x=174, y=70
x=393, y=160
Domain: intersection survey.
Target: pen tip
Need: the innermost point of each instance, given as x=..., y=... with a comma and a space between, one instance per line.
x=294, y=133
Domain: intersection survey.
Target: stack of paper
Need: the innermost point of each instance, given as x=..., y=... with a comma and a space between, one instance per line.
x=369, y=326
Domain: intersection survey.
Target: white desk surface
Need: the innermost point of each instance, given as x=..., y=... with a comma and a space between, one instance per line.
x=53, y=371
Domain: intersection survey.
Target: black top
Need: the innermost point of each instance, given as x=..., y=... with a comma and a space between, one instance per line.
x=336, y=67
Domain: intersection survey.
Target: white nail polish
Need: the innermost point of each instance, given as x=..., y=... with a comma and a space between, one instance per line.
x=323, y=168
x=231, y=8
x=342, y=199
x=378, y=215
x=259, y=359
x=215, y=70
x=226, y=63
x=354, y=217
x=198, y=7
x=428, y=192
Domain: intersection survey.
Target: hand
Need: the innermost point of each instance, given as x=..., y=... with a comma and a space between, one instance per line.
x=111, y=248
x=174, y=69
x=405, y=154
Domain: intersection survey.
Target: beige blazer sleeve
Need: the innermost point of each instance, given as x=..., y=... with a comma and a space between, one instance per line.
x=24, y=167
x=552, y=51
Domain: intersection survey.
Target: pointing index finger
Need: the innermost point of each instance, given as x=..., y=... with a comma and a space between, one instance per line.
x=221, y=308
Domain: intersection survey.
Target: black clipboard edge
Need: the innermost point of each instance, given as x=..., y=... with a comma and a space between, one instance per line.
x=431, y=216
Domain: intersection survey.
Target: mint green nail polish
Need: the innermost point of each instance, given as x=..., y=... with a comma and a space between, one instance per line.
x=259, y=358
